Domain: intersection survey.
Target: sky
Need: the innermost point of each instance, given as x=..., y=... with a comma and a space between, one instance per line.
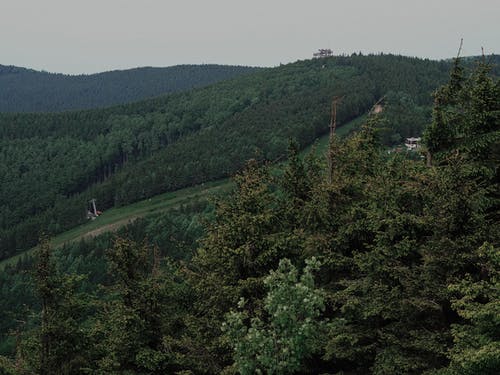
x=88, y=36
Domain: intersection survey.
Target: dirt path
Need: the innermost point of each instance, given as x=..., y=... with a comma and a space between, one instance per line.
x=113, y=227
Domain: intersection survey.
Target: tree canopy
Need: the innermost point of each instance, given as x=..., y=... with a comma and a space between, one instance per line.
x=361, y=262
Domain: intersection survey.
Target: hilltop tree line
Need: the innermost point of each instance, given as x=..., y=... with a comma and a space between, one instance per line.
x=364, y=263
x=52, y=164
x=26, y=90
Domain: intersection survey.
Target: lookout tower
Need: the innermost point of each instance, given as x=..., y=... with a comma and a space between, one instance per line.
x=323, y=53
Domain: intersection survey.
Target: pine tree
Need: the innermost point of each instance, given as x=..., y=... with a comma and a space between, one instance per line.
x=58, y=345
x=476, y=348
x=232, y=261
x=295, y=179
x=466, y=115
x=135, y=322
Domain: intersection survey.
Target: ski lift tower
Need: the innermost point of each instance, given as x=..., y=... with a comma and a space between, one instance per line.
x=92, y=212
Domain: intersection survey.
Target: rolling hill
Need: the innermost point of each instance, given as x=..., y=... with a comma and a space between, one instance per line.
x=27, y=90
x=119, y=217
x=52, y=164
x=403, y=251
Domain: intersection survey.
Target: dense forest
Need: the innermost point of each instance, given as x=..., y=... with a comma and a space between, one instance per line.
x=361, y=262
x=27, y=90
x=51, y=165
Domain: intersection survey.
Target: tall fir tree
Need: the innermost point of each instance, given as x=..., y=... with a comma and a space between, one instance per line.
x=59, y=345
x=133, y=325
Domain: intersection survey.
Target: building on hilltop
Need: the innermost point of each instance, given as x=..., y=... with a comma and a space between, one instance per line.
x=323, y=53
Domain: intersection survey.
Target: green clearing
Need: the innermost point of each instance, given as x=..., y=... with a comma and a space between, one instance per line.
x=321, y=144
x=114, y=218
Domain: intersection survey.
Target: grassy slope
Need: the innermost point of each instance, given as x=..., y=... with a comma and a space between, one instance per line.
x=114, y=218
x=321, y=144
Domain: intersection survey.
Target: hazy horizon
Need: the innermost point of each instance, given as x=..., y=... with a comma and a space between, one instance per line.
x=214, y=63
x=62, y=36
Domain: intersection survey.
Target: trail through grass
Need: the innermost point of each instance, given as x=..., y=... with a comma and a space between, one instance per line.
x=115, y=218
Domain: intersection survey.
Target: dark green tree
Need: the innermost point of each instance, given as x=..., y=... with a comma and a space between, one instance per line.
x=139, y=321
x=466, y=116
x=59, y=344
x=476, y=348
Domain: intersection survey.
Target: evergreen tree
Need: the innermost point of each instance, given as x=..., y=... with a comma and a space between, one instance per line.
x=59, y=344
x=466, y=116
x=295, y=180
x=476, y=348
x=134, y=324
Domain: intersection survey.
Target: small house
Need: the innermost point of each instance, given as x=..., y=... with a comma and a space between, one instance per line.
x=412, y=143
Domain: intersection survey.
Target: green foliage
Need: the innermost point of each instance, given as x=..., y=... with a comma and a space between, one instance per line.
x=52, y=164
x=7, y=367
x=406, y=235
x=291, y=329
x=476, y=347
x=174, y=232
x=26, y=90
x=135, y=326
x=57, y=345
x=403, y=118
x=466, y=116
x=408, y=280
x=232, y=261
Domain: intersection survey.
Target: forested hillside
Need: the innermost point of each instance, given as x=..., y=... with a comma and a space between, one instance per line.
x=52, y=164
x=26, y=90
x=358, y=262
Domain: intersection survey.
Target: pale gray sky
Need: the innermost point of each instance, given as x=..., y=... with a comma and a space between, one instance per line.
x=86, y=36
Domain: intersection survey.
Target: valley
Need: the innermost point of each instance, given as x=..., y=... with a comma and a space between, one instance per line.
x=115, y=218
x=52, y=164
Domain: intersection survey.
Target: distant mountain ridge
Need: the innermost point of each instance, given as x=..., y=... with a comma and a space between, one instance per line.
x=28, y=90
